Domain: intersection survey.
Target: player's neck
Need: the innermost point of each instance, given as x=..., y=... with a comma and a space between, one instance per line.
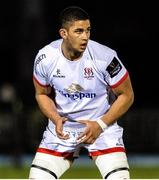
x=70, y=54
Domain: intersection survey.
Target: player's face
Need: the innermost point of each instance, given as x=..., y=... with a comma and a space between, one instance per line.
x=77, y=35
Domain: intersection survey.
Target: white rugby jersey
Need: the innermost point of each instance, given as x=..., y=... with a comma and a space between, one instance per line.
x=82, y=87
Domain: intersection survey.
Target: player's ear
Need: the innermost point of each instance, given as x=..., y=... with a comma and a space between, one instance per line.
x=63, y=33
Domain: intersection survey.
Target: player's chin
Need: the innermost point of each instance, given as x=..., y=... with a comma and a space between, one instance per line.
x=82, y=49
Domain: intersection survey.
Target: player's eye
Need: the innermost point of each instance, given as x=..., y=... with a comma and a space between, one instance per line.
x=79, y=31
x=89, y=29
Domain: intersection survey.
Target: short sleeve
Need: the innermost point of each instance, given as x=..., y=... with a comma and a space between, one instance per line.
x=116, y=72
x=39, y=70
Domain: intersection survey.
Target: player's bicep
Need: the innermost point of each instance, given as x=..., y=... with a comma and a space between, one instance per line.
x=41, y=90
x=124, y=88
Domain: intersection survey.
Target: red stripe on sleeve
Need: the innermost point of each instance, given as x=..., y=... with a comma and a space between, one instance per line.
x=121, y=80
x=39, y=82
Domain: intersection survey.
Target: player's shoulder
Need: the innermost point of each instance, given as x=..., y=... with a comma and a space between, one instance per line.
x=49, y=52
x=100, y=50
x=51, y=49
x=100, y=54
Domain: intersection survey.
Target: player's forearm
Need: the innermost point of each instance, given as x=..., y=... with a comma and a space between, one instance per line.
x=119, y=107
x=48, y=108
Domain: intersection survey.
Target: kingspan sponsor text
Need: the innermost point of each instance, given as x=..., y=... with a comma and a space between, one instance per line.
x=77, y=95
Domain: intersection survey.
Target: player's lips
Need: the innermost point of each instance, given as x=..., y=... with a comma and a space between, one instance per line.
x=83, y=45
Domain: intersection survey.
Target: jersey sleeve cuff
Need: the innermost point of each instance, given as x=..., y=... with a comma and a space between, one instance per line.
x=41, y=84
x=120, y=81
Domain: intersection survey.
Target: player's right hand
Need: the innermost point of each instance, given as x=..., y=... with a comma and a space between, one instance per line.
x=59, y=128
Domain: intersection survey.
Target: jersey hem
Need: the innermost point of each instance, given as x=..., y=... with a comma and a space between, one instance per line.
x=55, y=153
x=107, y=151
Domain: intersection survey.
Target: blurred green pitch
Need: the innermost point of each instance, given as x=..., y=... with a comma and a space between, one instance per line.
x=80, y=173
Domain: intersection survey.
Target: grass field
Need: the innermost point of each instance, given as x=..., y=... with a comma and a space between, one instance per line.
x=80, y=173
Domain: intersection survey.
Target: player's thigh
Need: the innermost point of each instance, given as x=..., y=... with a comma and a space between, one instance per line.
x=47, y=166
x=113, y=165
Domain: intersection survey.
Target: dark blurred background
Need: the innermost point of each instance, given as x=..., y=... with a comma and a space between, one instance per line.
x=131, y=28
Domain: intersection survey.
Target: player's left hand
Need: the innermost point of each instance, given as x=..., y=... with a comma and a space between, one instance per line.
x=92, y=131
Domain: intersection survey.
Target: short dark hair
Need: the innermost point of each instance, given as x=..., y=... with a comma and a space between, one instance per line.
x=70, y=14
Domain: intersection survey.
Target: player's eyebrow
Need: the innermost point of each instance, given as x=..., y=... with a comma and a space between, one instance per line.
x=82, y=29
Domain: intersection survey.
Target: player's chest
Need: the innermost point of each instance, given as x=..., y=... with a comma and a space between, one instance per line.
x=81, y=73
